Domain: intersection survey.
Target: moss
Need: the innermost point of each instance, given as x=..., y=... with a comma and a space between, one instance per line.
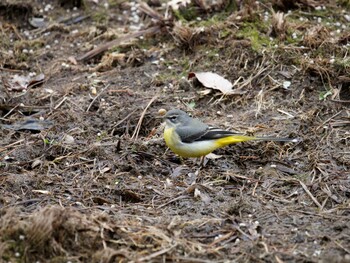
x=254, y=33
x=100, y=17
x=186, y=14
x=147, y=43
x=342, y=63
x=231, y=6
x=344, y=3
x=116, y=3
x=224, y=33
x=22, y=57
x=29, y=44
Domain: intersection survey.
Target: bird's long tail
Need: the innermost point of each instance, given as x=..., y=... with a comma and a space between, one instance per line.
x=244, y=138
x=277, y=139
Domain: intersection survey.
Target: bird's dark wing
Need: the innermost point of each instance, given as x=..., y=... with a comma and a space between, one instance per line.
x=201, y=133
x=193, y=131
x=215, y=133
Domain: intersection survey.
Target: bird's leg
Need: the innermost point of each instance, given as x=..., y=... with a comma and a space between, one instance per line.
x=201, y=164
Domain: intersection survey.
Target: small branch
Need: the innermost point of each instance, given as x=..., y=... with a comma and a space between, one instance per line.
x=310, y=194
x=138, y=126
x=98, y=95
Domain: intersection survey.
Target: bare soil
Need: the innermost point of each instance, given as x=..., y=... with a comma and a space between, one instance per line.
x=85, y=175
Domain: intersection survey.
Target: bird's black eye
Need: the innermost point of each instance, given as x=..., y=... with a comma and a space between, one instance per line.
x=172, y=118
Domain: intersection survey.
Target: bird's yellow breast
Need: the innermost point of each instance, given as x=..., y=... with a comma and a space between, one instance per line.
x=168, y=137
x=193, y=149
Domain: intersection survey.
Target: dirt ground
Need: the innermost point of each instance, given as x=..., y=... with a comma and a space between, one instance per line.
x=85, y=175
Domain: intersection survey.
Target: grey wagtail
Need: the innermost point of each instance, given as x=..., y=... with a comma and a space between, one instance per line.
x=190, y=137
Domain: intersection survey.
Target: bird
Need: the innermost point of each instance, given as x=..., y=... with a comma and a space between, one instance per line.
x=190, y=137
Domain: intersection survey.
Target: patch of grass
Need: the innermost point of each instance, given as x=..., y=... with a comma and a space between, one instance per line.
x=231, y=6
x=147, y=43
x=165, y=77
x=324, y=94
x=29, y=44
x=344, y=3
x=186, y=14
x=100, y=17
x=342, y=63
x=224, y=33
x=116, y=3
x=216, y=20
x=254, y=33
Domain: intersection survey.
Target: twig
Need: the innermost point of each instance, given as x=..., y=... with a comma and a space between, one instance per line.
x=287, y=113
x=11, y=70
x=60, y=103
x=156, y=254
x=341, y=246
x=310, y=194
x=10, y=145
x=323, y=123
x=98, y=95
x=102, y=48
x=243, y=233
x=173, y=200
x=10, y=111
x=121, y=121
x=138, y=126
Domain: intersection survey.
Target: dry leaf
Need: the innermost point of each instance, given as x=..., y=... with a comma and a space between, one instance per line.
x=213, y=81
x=175, y=4
x=213, y=156
x=20, y=83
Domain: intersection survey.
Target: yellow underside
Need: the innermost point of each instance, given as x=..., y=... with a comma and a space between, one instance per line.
x=199, y=148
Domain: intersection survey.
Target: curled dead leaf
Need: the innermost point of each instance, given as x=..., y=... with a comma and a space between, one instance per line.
x=214, y=81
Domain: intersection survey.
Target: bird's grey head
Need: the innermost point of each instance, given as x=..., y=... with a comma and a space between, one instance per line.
x=176, y=117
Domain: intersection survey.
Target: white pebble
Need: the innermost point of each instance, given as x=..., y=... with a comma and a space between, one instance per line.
x=47, y=8
x=286, y=85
